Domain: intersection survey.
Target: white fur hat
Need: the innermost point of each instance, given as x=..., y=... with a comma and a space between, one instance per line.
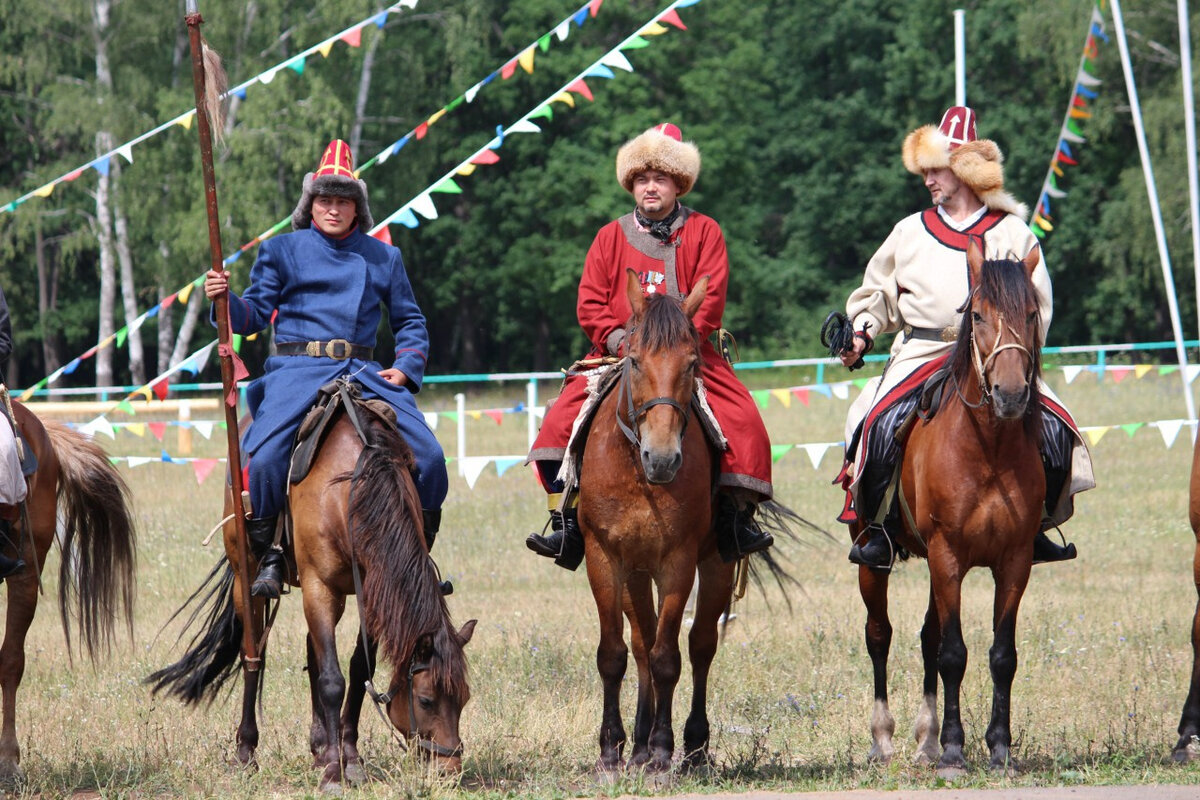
x=661, y=148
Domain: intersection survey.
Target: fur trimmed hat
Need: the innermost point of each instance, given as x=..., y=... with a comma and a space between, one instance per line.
x=978, y=163
x=335, y=177
x=661, y=148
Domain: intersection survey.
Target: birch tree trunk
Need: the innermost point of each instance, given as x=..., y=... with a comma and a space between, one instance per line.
x=364, y=91
x=104, y=143
x=137, y=356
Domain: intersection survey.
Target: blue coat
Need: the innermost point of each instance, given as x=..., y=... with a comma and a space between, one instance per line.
x=316, y=288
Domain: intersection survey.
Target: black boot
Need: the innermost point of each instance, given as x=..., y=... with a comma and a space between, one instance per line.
x=737, y=533
x=272, y=567
x=1046, y=551
x=565, y=542
x=876, y=552
x=432, y=522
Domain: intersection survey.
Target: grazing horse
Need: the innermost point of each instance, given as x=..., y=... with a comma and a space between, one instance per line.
x=972, y=490
x=356, y=509
x=1188, y=746
x=74, y=478
x=646, y=495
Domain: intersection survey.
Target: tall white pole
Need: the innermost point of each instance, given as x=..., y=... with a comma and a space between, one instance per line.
x=1189, y=127
x=960, y=57
x=1155, y=212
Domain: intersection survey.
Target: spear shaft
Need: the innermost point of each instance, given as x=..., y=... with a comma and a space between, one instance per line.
x=250, y=626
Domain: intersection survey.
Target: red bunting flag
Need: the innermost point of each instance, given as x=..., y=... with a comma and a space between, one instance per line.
x=672, y=17
x=495, y=413
x=202, y=467
x=801, y=394
x=508, y=69
x=422, y=129
x=354, y=37
x=486, y=156
x=384, y=234
x=168, y=300
x=594, y=6
x=158, y=429
x=581, y=87
x=160, y=389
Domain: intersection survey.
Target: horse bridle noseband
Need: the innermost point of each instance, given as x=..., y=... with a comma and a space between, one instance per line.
x=982, y=365
x=625, y=393
x=383, y=698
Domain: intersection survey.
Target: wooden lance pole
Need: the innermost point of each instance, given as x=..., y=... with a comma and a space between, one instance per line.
x=251, y=626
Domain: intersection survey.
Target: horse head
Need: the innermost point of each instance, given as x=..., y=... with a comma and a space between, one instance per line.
x=662, y=360
x=1004, y=326
x=428, y=694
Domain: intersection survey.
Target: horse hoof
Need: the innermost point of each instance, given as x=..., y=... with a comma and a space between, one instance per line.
x=1186, y=752
x=924, y=759
x=1007, y=769
x=355, y=775
x=880, y=755
x=698, y=764
x=951, y=772
x=331, y=783
x=608, y=775
x=11, y=777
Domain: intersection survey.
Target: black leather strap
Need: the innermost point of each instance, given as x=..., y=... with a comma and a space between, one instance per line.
x=337, y=349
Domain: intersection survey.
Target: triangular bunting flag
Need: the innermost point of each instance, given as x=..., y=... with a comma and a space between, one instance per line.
x=472, y=466
x=496, y=414
x=423, y=205
x=1141, y=369
x=431, y=419
x=582, y=88
x=525, y=59
x=1095, y=434
x=1132, y=428
x=783, y=396
x=816, y=452
x=504, y=462
x=778, y=451
x=1071, y=372
x=762, y=397
x=158, y=429
x=1120, y=373
x=1169, y=429
x=353, y=37
x=202, y=467
x=204, y=428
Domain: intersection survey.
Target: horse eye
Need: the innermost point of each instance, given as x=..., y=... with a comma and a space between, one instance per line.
x=633, y=362
x=976, y=318
x=1032, y=318
x=426, y=702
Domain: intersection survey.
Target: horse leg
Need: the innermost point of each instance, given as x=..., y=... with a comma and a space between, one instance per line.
x=926, y=727
x=674, y=585
x=1011, y=581
x=1188, y=746
x=946, y=580
x=361, y=670
x=643, y=622
x=712, y=599
x=873, y=587
x=22, y=603
x=611, y=654
x=246, y=738
x=322, y=610
x=318, y=735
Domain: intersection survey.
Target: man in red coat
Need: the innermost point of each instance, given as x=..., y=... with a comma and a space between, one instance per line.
x=671, y=247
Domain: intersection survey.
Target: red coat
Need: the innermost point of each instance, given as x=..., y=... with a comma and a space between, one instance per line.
x=696, y=249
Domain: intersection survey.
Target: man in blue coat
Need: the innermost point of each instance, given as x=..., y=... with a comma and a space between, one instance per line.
x=322, y=287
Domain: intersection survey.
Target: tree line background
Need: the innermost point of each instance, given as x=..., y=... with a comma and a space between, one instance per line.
x=799, y=110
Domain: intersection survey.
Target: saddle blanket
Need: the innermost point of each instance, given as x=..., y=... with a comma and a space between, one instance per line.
x=12, y=481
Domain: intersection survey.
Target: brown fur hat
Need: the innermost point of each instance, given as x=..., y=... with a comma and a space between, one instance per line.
x=978, y=163
x=334, y=178
x=661, y=148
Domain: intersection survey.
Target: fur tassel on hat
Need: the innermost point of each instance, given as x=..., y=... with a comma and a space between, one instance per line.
x=978, y=164
x=657, y=150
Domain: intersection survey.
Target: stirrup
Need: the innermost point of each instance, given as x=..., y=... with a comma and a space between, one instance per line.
x=1046, y=551
x=270, y=579
x=866, y=555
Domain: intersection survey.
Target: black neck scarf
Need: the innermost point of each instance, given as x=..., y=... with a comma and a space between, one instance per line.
x=659, y=228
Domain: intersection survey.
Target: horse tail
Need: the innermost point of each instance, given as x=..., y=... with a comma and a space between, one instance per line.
x=97, y=575
x=402, y=599
x=787, y=527
x=213, y=652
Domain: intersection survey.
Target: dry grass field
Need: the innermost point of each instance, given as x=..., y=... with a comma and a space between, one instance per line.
x=1103, y=641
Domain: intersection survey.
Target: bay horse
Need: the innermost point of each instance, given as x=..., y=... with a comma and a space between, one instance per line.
x=972, y=489
x=646, y=509
x=1188, y=746
x=75, y=480
x=356, y=507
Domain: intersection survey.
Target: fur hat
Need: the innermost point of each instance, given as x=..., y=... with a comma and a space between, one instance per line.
x=335, y=177
x=978, y=163
x=661, y=148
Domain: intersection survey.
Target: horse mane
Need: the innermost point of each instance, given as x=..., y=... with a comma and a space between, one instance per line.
x=664, y=325
x=1005, y=284
x=402, y=601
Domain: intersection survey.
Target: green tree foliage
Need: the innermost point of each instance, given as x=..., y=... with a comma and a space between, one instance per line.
x=799, y=110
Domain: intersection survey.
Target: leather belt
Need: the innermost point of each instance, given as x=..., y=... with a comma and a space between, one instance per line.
x=337, y=349
x=947, y=334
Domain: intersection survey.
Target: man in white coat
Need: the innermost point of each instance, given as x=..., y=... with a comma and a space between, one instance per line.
x=913, y=286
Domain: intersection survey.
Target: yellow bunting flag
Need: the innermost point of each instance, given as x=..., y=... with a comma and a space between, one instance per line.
x=1095, y=434
x=526, y=60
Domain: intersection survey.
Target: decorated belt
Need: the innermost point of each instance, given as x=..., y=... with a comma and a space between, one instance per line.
x=337, y=349
x=947, y=334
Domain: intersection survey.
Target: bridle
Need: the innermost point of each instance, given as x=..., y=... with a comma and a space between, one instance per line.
x=983, y=365
x=634, y=415
x=383, y=698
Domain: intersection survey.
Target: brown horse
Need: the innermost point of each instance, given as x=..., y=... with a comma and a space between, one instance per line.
x=356, y=508
x=96, y=572
x=646, y=495
x=972, y=489
x=1188, y=746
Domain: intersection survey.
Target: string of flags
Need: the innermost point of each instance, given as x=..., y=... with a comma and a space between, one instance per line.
x=1069, y=136
x=352, y=36
x=524, y=58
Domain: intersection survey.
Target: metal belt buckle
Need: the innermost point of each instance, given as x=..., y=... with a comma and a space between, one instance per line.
x=949, y=333
x=337, y=349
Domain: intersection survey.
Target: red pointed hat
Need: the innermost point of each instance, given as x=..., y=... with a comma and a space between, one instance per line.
x=976, y=162
x=335, y=177
x=661, y=148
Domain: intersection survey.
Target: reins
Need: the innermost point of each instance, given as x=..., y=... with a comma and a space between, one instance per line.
x=982, y=365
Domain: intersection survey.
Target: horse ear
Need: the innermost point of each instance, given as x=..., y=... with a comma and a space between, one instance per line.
x=467, y=630
x=975, y=259
x=1031, y=261
x=633, y=290
x=691, y=303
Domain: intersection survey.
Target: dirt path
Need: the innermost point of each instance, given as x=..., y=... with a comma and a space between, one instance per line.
x=1157, y=792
